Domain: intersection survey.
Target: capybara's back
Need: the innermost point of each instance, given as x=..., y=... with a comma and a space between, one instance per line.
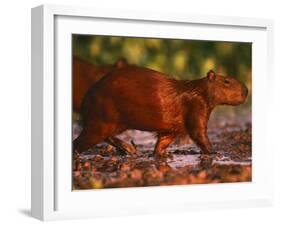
x=133, y=98
x=86, y=74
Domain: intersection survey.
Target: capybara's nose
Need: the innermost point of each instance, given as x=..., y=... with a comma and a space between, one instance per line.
x=244, y=91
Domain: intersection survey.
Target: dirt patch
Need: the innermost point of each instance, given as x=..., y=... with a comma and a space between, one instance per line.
x=106, y=167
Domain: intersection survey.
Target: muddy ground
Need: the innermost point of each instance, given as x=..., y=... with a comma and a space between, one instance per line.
x=106, y=167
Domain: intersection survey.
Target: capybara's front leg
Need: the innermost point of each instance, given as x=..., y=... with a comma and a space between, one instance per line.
x=162, y=143
x=203, y=142
x=198, y=133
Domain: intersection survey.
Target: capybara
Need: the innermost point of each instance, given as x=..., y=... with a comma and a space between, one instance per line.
x=86, y=74
x=139, y=98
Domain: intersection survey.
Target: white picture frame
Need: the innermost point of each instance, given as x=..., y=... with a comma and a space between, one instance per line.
x=52, y=197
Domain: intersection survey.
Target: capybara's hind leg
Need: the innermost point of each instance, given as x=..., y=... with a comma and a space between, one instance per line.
x=85, y=141
x=121, y=145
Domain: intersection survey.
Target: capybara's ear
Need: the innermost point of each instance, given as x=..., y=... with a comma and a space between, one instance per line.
x=121, y=62
x=211, y=75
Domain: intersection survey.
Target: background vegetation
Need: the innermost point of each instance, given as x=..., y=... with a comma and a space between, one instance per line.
x=180, y=59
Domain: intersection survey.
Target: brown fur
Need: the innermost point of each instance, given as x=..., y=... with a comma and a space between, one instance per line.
x=139, y=98
x=86, y=74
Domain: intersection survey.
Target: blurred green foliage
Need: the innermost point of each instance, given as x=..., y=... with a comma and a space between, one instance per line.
x=180, y=59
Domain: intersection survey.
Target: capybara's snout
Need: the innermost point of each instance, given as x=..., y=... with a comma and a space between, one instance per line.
x=244, y=91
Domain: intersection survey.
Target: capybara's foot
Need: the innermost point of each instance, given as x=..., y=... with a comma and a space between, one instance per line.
x=121, y=145
x=129, y=148
x=206, y=160
x=163, y=155
x=213, y=152
x=208, y=152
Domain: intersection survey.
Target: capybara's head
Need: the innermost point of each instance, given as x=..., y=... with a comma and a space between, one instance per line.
x=225, y=90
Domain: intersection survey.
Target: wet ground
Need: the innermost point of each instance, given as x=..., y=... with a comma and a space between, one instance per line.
x=106, y=167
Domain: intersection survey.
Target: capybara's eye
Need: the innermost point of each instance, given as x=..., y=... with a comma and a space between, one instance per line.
x=226, y=82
